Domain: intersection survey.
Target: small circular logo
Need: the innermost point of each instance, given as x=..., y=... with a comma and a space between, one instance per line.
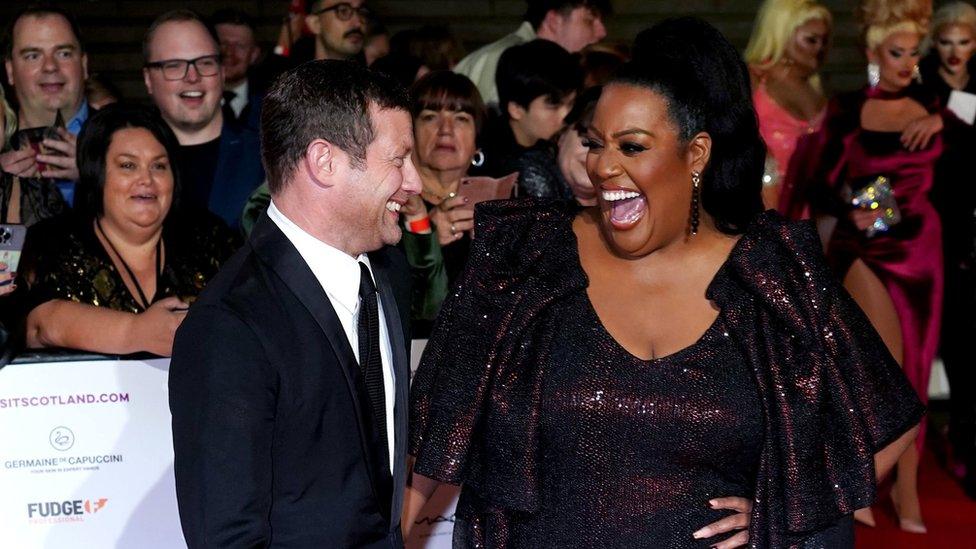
x=62, y=439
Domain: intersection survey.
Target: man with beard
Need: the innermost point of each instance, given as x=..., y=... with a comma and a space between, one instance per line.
x=219, y=161
x=288, y=384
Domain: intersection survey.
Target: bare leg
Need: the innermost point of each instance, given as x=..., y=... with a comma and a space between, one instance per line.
x=871, y=295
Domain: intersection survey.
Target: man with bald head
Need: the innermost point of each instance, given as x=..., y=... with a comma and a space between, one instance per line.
x=219, y=161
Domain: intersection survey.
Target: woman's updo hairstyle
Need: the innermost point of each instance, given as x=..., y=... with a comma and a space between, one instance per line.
x=881, y=18
x=706, y=85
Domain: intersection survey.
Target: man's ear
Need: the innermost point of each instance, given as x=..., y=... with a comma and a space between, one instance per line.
x=322, y=161
x=515, y=111
x=699, y=152
x=314, y=23
x=147, y=81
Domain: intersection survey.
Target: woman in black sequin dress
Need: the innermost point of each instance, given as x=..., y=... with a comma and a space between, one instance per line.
x=117, y=274
x=600, y=377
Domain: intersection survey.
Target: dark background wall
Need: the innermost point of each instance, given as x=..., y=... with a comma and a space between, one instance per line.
x=113, y=29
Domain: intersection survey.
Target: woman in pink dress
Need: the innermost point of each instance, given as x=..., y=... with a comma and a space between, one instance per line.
x=785, y=52
x=874, y=161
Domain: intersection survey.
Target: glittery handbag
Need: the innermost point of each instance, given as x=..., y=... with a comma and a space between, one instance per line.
x=875, y=194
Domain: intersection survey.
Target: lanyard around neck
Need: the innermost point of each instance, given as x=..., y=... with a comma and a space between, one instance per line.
x=145, y=303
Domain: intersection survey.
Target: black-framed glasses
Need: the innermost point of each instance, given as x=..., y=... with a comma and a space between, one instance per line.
x=345, y=11
x=176, y=69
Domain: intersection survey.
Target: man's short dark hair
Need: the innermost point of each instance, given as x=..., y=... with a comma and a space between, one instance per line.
x=534, y=69
x=536, y=11
x=178, y=15
x=232, y=16
x=324, y=99
x=39, y=10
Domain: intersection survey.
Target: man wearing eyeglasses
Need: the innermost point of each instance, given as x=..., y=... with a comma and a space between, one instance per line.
x=339, y=27
x=219, y=161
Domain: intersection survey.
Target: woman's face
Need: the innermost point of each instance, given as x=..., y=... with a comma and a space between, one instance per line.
x=809, y=45
x=572, y=164
x=138, y=180
x=641, y=171
x=897, y=57
x=955, y=44
x=445, y=139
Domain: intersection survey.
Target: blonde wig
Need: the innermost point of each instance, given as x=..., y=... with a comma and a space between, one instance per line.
x=9, y=121
x=882, y=18
x=953, y=13
x=776, y=22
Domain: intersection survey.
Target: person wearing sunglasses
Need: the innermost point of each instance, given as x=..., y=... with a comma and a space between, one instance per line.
x=219, y=161
x=339, y=28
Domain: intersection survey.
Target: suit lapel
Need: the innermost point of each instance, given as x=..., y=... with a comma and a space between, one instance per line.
x=274, y=248
x=401, y=377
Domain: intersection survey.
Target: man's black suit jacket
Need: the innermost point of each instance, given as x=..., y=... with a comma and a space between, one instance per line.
x=269, y=408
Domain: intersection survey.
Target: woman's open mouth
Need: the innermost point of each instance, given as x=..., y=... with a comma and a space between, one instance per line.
x=626, y=207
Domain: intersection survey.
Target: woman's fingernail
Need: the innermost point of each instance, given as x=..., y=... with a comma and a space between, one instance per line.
x=712, y=503
x=699, y=534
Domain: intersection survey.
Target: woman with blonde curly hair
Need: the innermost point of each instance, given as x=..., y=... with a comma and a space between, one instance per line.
x=873, y=168
x=787, y=48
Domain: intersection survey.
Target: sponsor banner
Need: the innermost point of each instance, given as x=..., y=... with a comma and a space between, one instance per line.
x=87, y=455
x=434, y=527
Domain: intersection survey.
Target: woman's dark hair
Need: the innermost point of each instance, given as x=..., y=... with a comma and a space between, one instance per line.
x=706, y=85
x=581, y=115
x=93, y=144
x=538, y=68
x=448, y=90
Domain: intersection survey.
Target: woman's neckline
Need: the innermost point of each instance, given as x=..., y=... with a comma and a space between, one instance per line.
x=719, y=273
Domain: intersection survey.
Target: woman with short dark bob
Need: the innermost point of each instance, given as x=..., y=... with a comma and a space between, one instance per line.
x=669, y=368
x=116, y=275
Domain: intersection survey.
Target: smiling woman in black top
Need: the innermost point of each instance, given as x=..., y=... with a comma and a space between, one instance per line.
x=116, y=274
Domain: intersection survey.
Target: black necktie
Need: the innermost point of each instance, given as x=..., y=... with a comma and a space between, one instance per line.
x=229, y=113
x=369, y=358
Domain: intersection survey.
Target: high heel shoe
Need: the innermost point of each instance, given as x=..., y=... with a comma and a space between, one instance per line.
x=865, y=516
x=911, y=525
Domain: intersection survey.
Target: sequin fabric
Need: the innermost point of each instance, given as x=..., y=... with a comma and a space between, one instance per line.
x=525, y=400
x=65, y=260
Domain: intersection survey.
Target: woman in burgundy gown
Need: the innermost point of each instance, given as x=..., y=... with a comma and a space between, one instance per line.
x=887, y=250
x=605, y=377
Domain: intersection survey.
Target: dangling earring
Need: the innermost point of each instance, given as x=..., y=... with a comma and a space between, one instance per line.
x=916, y=74
x=695, y=200
x=478, y=159
x=874, y=75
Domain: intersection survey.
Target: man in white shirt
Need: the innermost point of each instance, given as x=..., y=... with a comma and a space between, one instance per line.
x=288, y=384
x=239, y=53
x=573, y=24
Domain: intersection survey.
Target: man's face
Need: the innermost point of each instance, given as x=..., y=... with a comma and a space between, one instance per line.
x=239, y=49
x=378, y=188
x=47, y=68
x=580, y=28
x=340, y=39
x=191, y=103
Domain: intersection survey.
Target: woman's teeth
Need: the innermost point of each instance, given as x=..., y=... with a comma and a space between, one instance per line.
x=611, y=196
x=393, y=206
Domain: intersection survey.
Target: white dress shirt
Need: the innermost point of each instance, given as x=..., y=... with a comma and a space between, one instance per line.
x=339, y=275
x=240, y=97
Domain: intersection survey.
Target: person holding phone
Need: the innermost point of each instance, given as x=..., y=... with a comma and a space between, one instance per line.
x=116, y=274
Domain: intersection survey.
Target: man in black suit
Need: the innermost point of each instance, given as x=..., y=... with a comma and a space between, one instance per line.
x=288, y=384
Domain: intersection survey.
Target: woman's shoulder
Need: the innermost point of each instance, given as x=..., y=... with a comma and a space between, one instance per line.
x=522, y=217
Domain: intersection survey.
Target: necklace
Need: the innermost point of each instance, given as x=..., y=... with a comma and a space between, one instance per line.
x=427, y=194
x=145, y=303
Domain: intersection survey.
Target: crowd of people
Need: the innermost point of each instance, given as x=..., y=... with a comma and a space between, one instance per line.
x=634, y=261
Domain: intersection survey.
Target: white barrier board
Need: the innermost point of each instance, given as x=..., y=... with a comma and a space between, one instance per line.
x=86, y=456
